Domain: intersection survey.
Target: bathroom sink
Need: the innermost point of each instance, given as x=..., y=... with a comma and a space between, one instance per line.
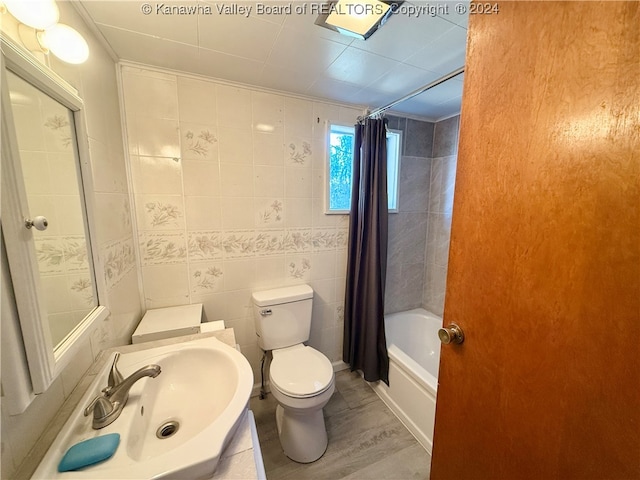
x=173, y=426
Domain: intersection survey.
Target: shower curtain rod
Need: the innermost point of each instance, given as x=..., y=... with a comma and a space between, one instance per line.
x=422, y=89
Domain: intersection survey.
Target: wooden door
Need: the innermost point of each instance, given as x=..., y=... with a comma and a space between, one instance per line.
x=544, y=267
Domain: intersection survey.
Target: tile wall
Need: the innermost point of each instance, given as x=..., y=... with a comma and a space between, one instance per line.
x=229, y=199
x=419, y=233
x=441, y=188
x=97, y=85
x=408, y=227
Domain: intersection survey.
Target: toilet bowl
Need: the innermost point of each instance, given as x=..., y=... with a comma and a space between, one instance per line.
x=302, y=382
x=301, y=378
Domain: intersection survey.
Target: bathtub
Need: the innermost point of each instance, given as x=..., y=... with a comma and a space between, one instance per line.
x=414, y=357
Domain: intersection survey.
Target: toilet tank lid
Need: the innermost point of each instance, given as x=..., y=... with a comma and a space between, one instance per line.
x=277, y=296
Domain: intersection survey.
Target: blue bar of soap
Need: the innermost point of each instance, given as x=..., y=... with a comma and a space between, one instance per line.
x=89, y=452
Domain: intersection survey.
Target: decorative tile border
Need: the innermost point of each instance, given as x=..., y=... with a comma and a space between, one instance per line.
x=162, y=248
x=50, y=253
x=323, y=240
x=118, y=259
x=342, y=238
x=75, y=253
x=58, y=255
x=298, y=240
x=238, y=244
x=270, y=242
x=217, y=245
x=205, y=245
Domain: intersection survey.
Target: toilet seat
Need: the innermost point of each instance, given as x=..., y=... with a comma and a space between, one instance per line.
x=300, y=371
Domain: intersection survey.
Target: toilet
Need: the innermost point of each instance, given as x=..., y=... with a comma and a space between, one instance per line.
x=301, y=378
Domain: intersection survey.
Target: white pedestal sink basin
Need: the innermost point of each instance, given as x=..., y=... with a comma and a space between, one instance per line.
x=173, y=426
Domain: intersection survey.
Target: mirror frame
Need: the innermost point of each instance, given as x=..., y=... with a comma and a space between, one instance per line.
x=45, y=360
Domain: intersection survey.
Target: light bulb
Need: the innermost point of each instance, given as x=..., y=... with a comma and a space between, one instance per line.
x=66, y=43
x=38, y=14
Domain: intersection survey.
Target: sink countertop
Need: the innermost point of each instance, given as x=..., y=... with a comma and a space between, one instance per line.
x=235, y=460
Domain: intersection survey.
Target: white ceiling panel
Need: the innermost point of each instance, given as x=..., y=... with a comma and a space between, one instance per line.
x=288, y=52
x=403, y=35
x=437, y=57
x=247, y=37
x=219, y=65
x=403, y=79
x=373, y=98
x=441, y=93
x=359, y=67
x=271, y=15
x=151, y=50
x=436, y=111
x=329, y=88
x=128, y=16
x=297, y=50
x=280, y=78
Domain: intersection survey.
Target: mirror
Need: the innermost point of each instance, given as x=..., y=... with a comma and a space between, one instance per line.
x=44, y=161
x=48, y=156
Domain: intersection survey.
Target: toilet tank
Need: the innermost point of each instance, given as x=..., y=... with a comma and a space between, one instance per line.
x=282, y=316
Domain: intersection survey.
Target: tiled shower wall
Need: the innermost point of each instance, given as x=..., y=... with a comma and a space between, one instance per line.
x=408, y=227
x=229, y=189
x=443, y=176
x=419, y=233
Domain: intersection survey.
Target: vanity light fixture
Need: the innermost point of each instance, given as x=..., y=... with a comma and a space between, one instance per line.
x=65, y=43
x=38, y=14
x=356, y=18
x=40, y=31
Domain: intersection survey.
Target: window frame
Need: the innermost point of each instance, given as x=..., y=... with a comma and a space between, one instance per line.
x=393, y=168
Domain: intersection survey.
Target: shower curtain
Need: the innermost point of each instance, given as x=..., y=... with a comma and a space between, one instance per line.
x=364, y=347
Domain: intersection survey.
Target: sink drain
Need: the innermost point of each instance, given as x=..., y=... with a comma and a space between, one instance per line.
x=167, y=429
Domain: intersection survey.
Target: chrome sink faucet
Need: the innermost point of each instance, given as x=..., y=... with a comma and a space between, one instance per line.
x=107, y=407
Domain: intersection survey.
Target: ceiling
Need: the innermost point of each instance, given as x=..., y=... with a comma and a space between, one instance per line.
x=288, y=52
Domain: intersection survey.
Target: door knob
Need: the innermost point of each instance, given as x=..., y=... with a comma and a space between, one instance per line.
x=451, y=334
x=40, y=222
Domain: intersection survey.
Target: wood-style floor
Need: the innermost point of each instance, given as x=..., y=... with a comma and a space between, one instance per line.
x=366, y=441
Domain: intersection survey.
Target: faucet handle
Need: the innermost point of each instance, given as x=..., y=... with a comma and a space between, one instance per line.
x=115, y=377
x=101, y=408
x=104, y=411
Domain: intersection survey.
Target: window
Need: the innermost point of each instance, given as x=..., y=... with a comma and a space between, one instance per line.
x=339, y=168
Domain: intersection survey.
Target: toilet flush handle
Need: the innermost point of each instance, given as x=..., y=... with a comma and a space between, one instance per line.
x=265, y=311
